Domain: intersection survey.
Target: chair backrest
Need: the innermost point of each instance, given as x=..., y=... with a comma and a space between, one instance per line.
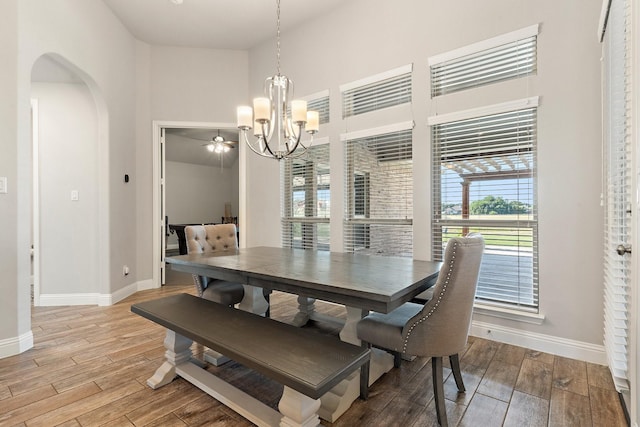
x=442, y=326
x=211, y=238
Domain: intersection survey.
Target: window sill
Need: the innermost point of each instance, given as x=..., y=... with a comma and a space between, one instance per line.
x=510, y=314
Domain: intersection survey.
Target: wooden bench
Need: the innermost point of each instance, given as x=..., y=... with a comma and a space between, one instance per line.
x=307, y=363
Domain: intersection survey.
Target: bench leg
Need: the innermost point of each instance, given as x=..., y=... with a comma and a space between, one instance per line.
x=298, y=410
x=178, y=352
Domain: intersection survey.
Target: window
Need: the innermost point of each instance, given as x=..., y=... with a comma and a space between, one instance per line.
x=379, y=191
x=320, y=104
x=306, y=200
x=484, y=181
x=377, y=92
x=317, y=102
x=501, y=58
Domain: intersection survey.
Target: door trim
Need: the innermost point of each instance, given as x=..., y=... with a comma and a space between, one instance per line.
x=157, y=194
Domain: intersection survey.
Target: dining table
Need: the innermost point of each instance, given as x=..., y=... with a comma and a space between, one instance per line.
x=361, y=283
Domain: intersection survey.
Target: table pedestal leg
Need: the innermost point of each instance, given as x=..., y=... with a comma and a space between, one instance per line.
x=306, y=309
x=298, y=410
x=253, y=300
x=336, y=401
x=178, y=352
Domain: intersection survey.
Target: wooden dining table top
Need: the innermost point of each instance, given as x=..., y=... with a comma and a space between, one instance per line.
x=371, y=282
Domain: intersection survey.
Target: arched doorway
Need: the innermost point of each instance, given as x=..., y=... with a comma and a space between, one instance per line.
x=70, y=251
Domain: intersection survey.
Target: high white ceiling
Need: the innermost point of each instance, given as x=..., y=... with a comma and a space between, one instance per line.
x=216, y=24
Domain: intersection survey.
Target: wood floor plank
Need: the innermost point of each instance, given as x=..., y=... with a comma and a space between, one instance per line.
x=499, y=380
x=5, y=393
x=46, y=375
x=47, y=405
x=484, y=411
x=480, y=353
x=90, y=375
x=203, y=410
x=606, y=408
x=169, y=420
x=568, y=409
x=163, y=406
x=535, y=378
x=74, y=409
x=116, y=408
x=526, y=410
x=471, y=376
x=600, y=376
x=539, y=356
x=27, y=398
x=401, y=412
x=570, y=375
x=122, y=421
x=510, y=354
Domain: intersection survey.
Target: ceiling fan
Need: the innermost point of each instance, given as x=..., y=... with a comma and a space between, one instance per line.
x=219, y=145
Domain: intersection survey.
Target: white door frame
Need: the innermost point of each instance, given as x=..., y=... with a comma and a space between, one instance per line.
x=35, y=207
x=158, y=196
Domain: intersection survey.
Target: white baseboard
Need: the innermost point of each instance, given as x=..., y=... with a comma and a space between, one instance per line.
x=53, y=300
x=16, y=345
x=546, y=343
x=48, y=300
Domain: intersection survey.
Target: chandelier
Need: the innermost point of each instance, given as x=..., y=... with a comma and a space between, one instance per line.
x=277, y=124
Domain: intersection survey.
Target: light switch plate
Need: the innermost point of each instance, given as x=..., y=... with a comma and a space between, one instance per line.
x=3, y=185
x=74, y=195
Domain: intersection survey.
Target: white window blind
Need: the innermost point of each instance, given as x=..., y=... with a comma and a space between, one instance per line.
x=488, y=62
x=379, y=194
x=317, y=102
x=306, y=200
x=618, y=173
x=321, y=105
x=484, y=181
x=377, y=92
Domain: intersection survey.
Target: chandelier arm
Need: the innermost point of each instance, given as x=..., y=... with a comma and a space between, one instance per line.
x=297, y=139
x=250, y=145
x=264, y=137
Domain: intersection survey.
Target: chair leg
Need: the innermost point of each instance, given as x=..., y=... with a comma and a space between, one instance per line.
x=267, y=313
x=397, y=359
x=438, y=390
x=364, y=376
x=457, y=375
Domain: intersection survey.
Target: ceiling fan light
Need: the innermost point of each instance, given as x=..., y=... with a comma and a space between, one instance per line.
x=211, y=147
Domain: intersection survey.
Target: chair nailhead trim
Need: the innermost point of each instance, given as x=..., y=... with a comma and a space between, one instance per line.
x=435, y=306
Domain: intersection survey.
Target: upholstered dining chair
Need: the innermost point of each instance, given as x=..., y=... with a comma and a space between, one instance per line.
x=210, y=239
x=205, y=239
x=436, y=329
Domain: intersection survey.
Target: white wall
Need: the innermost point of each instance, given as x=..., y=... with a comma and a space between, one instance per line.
x=197, y=194
x=179, y=84
x=68, y=159
x=359, y=40
x=88, y=38
x=15, y=322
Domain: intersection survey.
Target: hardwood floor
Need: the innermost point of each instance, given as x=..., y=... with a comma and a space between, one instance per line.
x=90, y=364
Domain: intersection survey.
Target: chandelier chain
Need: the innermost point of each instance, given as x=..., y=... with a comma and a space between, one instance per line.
x=278, y=35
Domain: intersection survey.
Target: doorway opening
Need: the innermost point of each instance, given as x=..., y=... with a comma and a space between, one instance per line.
x=196, y=181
